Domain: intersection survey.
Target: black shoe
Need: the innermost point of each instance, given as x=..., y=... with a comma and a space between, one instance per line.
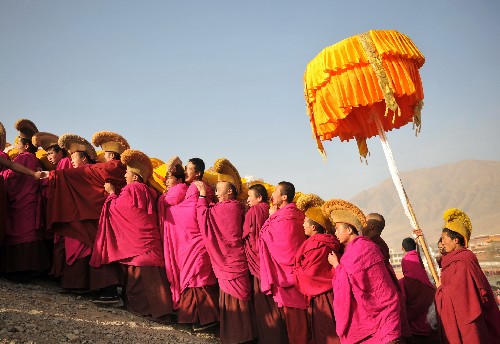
x=108, y=299
x=62, y=290
x=199, y=327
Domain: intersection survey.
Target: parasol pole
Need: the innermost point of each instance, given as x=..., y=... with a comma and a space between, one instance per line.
x=405, y=201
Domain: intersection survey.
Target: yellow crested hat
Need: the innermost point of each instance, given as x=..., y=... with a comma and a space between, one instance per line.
x=3, y=137
x=338, y=210
x=110, y=142
x=44, y=140
x=458, y=221
x=26, y=128
x=311, y=204
x=226, y=172
x=74, y=143
x=137, y=162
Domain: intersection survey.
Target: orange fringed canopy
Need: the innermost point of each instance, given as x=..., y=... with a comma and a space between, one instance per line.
x=375, y=73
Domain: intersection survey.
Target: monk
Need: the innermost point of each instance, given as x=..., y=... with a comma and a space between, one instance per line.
x=129, y=235
x=75, y=275
x=280, y=237
x=270, y=319
x=313, y=273
x=465, y=303
x=23, y=253
x=81, y=191
x=172, y=238
x=7, y=164
x=365, y=299
x=375, y=224
x=221, y=226
x=199, y=300
x=418, y=294
x=58, y=157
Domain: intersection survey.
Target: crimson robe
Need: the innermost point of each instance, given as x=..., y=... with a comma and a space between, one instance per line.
x=3, y=199
x=24, y=212
x=313, y=277
x=254, y=219
x=313, y=273
x=365, y=299
x=221, y=227
x=465, y=302
x=128, y=229
x=280, y=237
x=81, y=190
x=172, y=236
x=418, y=293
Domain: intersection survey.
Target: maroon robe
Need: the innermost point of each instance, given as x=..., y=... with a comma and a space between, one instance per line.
x=254, y=219
x=221, y=226
x=128, y=229
x=269, y=319
x=280, y=237
x=3, y=199
x=173, y=237
x=465, y=303
x=313, y=278
x=129, y=234
x=24, y=248
x=81, y=190
x=384, y=249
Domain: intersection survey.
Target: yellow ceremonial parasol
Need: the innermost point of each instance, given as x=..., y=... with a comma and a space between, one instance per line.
x=364, y=86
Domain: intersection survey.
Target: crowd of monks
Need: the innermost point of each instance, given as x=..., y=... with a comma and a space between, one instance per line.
x=276, y=268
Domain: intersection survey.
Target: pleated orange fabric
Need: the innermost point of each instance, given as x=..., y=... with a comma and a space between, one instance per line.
x=371, y=73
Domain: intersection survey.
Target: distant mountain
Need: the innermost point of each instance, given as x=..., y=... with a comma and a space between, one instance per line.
x=470, y=185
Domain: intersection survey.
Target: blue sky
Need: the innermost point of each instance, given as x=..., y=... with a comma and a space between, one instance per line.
x=217, y=79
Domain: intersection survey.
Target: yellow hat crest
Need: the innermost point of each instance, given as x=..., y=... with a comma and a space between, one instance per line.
x=74, y=143
x=311, y=204
x=137, y=162
x=110, y=142
x=338, y=210
x=458, y=221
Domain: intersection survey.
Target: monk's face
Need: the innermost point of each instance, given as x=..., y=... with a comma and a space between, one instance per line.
x=222, y=191
x=20, y=146
x=77, y=160
x=277, y=198
x=130, y=177
x=449, y=244
x=53, y=156
x=171, y=181
x=190, y=174
x=342, y=232
x=253, y=199
x=108, y=156
x=309, y=230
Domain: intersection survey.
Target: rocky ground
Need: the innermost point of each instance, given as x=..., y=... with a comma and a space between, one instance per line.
x=37, y=313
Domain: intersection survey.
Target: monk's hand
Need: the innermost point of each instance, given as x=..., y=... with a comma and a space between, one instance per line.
x=43, y=174
x=37, y=175
x=109, y=188
x=333, y=260
x=201, y=188
x=417, y=232
x=273, y=209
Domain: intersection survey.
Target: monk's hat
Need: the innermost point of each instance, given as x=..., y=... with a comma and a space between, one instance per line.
x=311, y=204
x=44, y=140
x=458, y=221
x=226, y=172
x=137, y=162
x=173, y=167
x=338, y=210
x=74, y=143
x=3, y=137
x=110, y=142
x=26, y=128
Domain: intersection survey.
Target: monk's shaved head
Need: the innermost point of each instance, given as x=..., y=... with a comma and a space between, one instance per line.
x=375, y=224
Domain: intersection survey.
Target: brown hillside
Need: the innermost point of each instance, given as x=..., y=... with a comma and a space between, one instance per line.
x=470, y=185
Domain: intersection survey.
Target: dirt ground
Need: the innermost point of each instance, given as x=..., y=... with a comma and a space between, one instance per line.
x=37, y=313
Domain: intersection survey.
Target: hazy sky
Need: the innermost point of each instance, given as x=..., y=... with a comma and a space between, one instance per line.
x=217, y=79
